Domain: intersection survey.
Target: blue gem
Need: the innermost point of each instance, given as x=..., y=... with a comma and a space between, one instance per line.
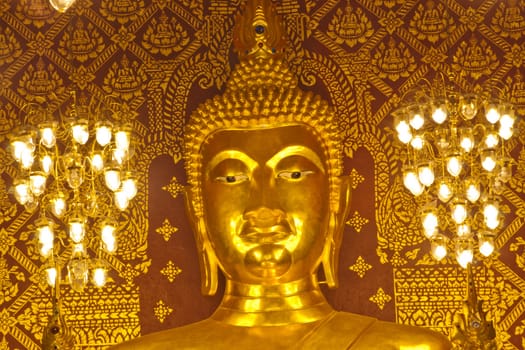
x=259, y=29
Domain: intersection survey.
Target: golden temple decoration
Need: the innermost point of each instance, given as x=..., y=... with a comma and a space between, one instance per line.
x=166, y=230
x=174, y=187
x=356, y=178
x=171, y=271
x=357, y=221
x=162, y=311
x=360, y=267
x=380, y=298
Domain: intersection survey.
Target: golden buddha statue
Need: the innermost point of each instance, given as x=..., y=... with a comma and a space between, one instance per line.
x=268, y=206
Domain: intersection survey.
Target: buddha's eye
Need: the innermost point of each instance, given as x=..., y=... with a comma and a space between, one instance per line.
x=294, y=175
x=232, y=179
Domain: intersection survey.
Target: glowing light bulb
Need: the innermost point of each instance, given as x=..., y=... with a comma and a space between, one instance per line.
x=112, y=179
x=97, y=162
x=46, y=163
x=454, y=165
x=466, y=139
x=76, y=230
x=80, y=131
x=439, y=113
x=425, y=174
x=411, y=182
x=37, y=182
x=99, y=277
x=492, y=113
x=122, y=140
x=47, y=136
x=22, y=192
x=129, y=186
x=472, y=190
x=486, y=243
x=459, y=211
x=488, y=160
x=444, y=191
x=464, y=252
x=103, y=133
x=416, y=120
x=51, y=276
x=108, y=237
x=438, y=247
x=58, y=205
x=429, y=220
x=121, y=200
x=404, y=133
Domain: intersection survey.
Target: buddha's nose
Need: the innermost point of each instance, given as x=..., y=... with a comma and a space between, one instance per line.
x=264, y=217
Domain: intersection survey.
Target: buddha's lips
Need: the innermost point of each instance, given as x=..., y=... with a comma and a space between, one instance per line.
x=268, y=234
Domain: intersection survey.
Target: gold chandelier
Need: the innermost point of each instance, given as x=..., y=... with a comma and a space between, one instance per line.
x=75, y=174
x=456, y=165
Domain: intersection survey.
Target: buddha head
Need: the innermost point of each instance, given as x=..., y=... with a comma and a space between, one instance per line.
x=265, y=193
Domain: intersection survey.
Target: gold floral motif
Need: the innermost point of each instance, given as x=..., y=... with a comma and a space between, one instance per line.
x=393, y=61
x=8, y=289
x=509, y=19
x=125, y=79
x=431, y=22
x=350, y=26
x=380, y=298
x=360, y=267
x=356, y=178
x=162, y=311
x=171, y=271
x=82, y=41
x=166, y=230
x=476, y=58
x=165, y=36
x=357, y=221
x=40, y=81
x=10, y=48
x=122, y=11
x=174, y=187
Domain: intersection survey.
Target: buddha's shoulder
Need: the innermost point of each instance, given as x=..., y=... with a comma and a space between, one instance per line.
x=184, y=337
x=389, y=335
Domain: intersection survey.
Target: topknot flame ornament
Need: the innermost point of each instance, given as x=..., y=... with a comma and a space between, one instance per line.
x=258, y=32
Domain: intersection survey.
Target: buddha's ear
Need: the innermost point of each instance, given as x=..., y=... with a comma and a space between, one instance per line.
x=206, y=256
x=336, y=226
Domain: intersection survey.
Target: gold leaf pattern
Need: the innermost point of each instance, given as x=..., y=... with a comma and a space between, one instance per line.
x=171, y=271
x=360, y=267
x=162, y=311
x=357, y=221
x=380, y=298
x=174, y=187
x=166, y=230
x=356, y=178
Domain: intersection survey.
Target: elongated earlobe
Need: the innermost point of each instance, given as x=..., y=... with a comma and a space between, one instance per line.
x=336, y=226
x=206, y=256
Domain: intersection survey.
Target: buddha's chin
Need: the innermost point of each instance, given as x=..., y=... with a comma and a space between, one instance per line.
x=268, y=261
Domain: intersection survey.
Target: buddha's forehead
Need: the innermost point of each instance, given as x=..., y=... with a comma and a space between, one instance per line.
x=262, y=141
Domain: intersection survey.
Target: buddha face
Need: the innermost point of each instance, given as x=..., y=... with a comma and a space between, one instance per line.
x=266, y=202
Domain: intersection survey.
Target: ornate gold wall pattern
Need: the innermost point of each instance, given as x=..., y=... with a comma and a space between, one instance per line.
x=162, y=58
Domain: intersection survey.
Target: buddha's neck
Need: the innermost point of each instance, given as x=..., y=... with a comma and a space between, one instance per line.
x=272, y=305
